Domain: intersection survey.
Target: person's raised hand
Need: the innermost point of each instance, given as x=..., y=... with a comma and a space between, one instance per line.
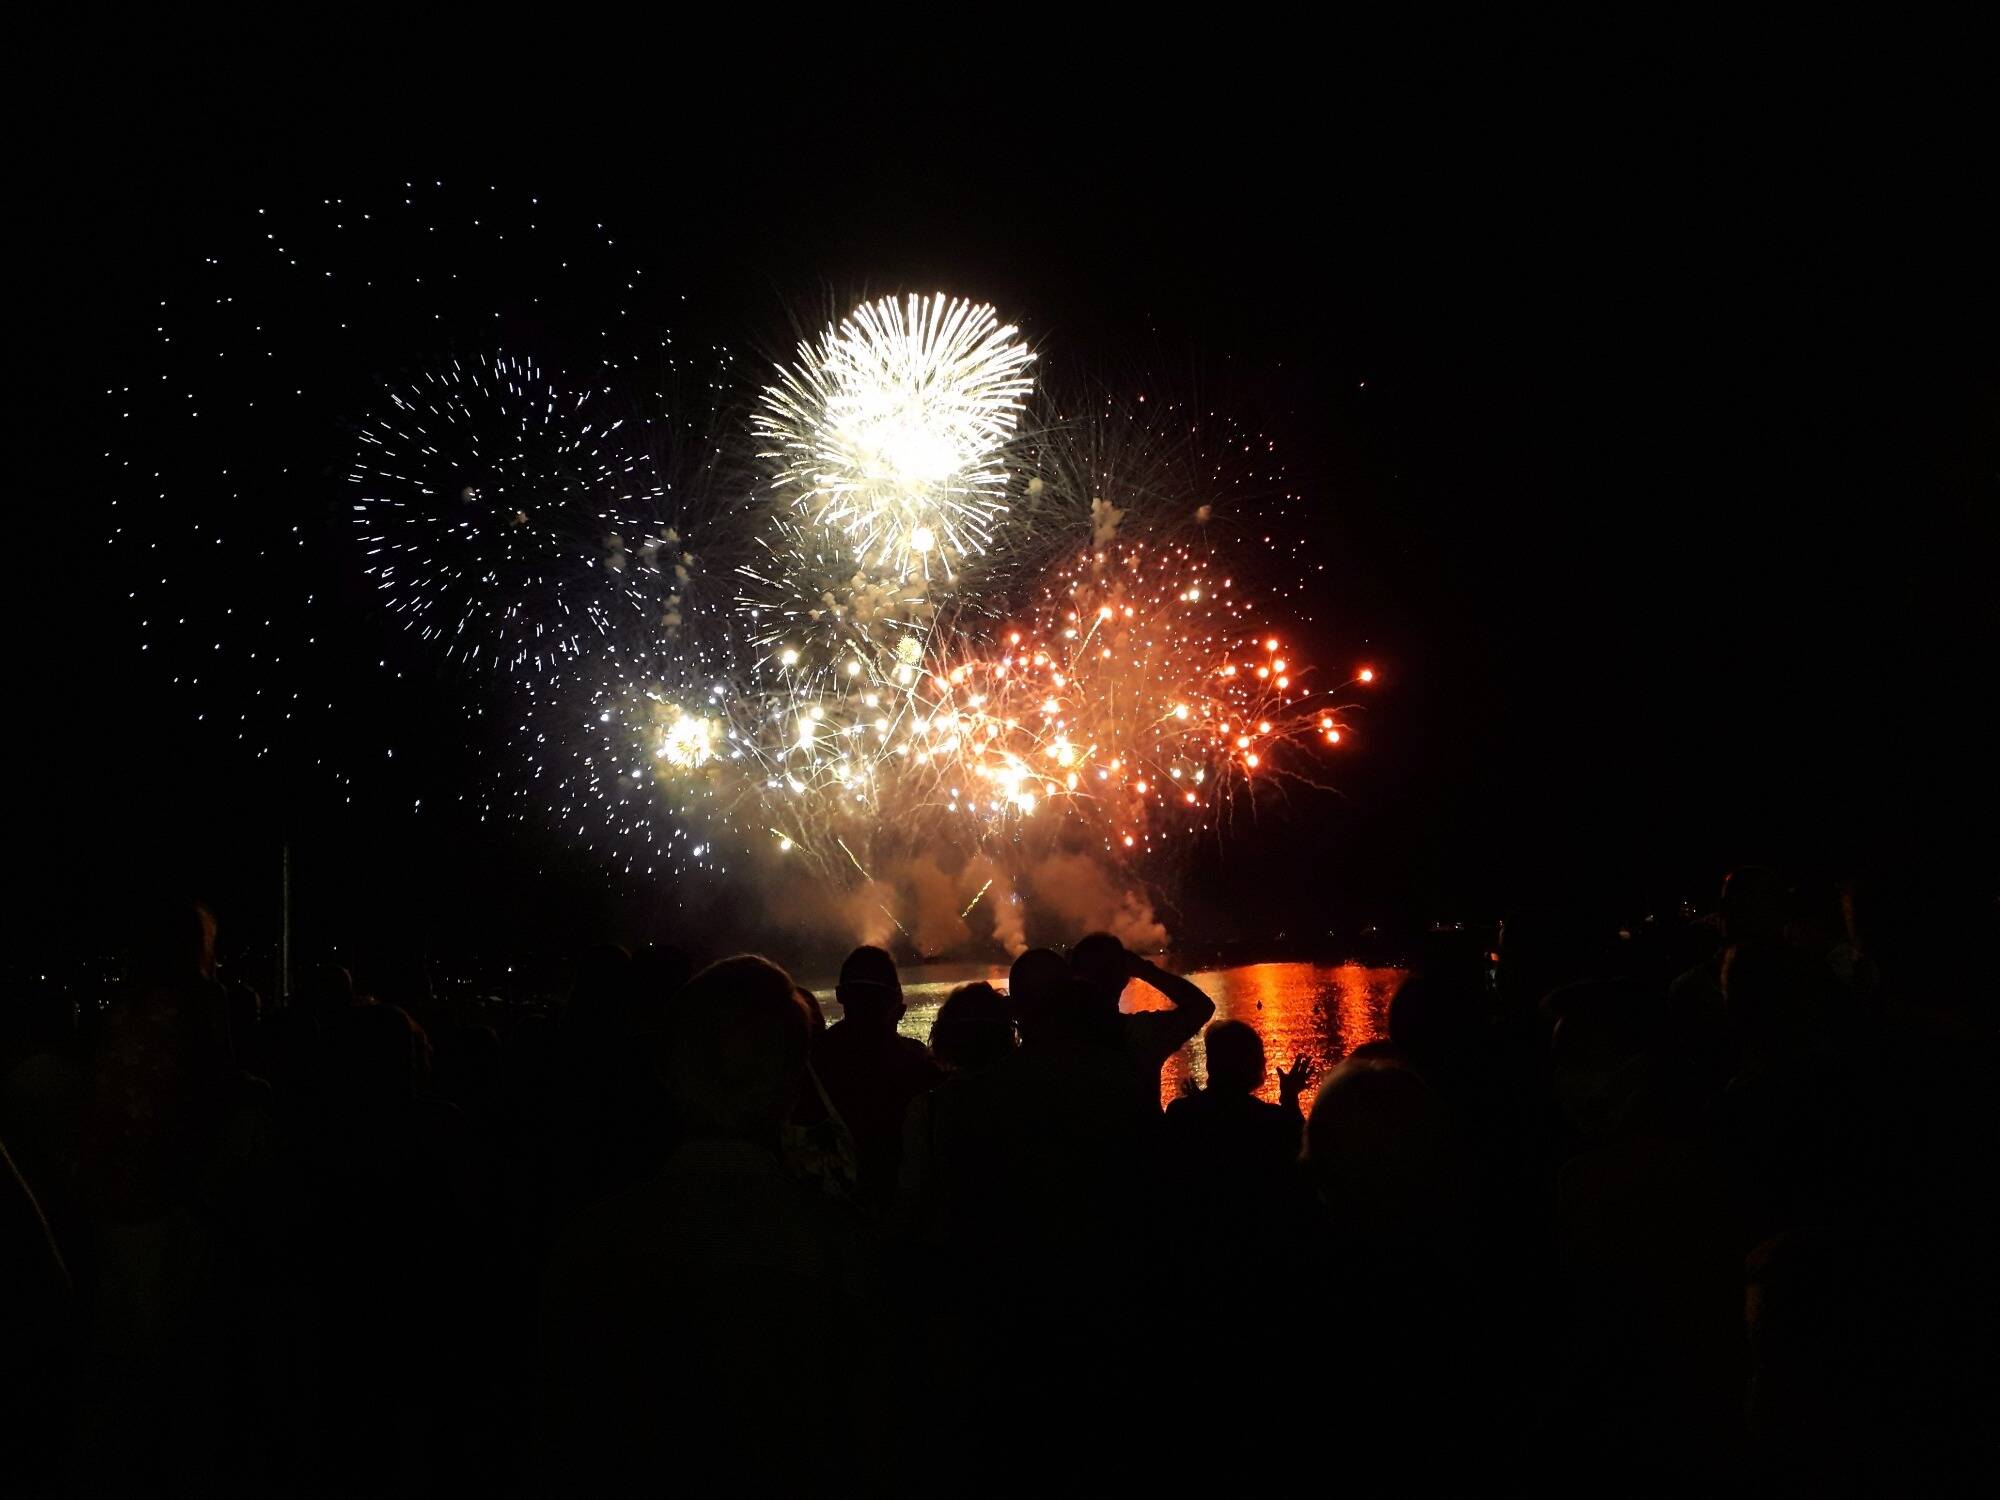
x=1292, y=1083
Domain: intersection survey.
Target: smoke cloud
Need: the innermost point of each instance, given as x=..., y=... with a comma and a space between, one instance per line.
x=980, y=906
x=1081, y=896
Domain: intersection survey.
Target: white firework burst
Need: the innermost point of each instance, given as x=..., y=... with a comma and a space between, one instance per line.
x=891, y=431
x=501, y=520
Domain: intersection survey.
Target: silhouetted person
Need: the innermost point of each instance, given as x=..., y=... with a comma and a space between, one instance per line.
x=870, y=1071
x=1542, y=947
x=172, y=943
x=973, y=1029
x=1037, y=977
x=604, y=1122
x=1754, y=908
x=1379, y=1150
x=954, y=1317
x=45, y=1084
x=1226, y=1132
x=1928, y=941
x=324, y=987
x=814, y=1010
x=1036, y=1193
x=397, y=1178
x=973, y=1033
x=1847, y=1394
x=819, y=1148
x=1106, y=966
x=1234, y=1159
x=1439, y=1022
x=1651, y=1263
x=176, y=1174
x=714, y=1322
x=1785, y=1118
x=36, y=1309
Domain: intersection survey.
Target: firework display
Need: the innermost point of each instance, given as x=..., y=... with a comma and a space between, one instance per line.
x=479, y=489
x=897, y=603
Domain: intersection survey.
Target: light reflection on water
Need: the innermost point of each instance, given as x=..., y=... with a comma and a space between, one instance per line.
x=1326, y=1010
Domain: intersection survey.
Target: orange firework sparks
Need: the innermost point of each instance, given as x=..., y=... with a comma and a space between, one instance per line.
x=1122, y=703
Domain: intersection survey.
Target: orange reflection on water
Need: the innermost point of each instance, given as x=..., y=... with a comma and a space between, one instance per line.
x=1325, y=1010
x=1320, y=1010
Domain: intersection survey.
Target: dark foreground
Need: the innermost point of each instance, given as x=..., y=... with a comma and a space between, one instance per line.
x=1712, y=1213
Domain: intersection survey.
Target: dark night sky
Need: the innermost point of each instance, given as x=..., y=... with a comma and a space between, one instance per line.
x=1650, y=432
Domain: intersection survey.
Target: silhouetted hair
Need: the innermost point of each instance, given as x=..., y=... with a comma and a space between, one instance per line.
x=1376, y=1138
x=973, y=1028
x=172, y=942
x=1071, y=1011
x=1552, y=944
x=1437, y=1017
x=1755, y=904
x=1629, y=1010
x=1769, y=992
x=1928, y=934
x=1098, y=959
x=1037, y=976
x=325, y=987
x=375, y=1052
x=738, y=1038
x=813, y=1009
x=1235, y=1057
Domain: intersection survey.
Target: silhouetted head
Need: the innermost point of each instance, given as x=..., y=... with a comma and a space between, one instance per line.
x=1456, y=957
x=1927, y=936
x=1101, y=962
x=1038, y=975
x=1815, y=923
x=1377, y=1147
x=1387, y=1053
x=1770, y=993
x=1552, y=944
x=1755, y=905
x=1067, y=1012
x=325, y=987
x=1438, y=1019
x=396, y=973
x=737, y=1040
x=813, y=1009
x=172, y=943
x=1600, y=1051
x=973, y=1028
x=658, y=971
x=1235, y=1057
x=375, y=1053
x=870, y=991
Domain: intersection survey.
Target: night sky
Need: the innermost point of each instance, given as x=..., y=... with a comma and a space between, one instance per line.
x=1650, y=441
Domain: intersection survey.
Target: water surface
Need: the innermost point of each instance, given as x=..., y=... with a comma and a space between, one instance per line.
x=1321, y=1010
